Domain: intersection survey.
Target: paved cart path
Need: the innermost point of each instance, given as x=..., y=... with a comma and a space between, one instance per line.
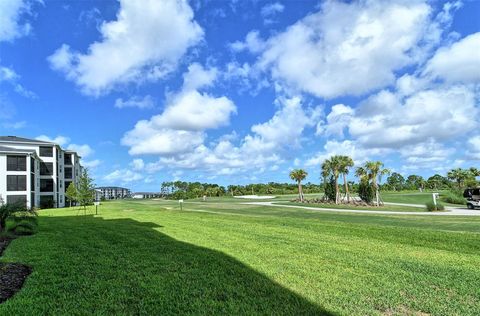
x=449, y=211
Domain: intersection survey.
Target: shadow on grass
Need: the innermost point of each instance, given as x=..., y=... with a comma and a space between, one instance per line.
x=89, y=265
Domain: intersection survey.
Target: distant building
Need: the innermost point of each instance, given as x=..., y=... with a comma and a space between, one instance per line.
x=36, y=172
x=145, y=195
x=98, y=195
x=112, y=193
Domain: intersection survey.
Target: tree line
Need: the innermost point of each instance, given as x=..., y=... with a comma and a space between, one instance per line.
x=190, y=190
x=372, y=177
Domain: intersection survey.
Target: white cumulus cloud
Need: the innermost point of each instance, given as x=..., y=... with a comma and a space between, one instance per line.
x=187, y=115
x=60, y=140
x=129, y=50
x=82, y=150
x=459, y=62
x=349, y=48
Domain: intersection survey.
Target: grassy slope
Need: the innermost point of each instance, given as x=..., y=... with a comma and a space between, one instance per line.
x=148, y=257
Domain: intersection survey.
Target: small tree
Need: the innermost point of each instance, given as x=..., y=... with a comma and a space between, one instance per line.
x=396, y=181
x=366, y=192
x=85, y=190
x=299, y=175
x=71, y=193
x=329, y=190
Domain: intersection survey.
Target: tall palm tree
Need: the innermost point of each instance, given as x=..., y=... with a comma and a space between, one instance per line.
x=299, y=175
x=372, y=171
x=325, y=172
x=345, y=164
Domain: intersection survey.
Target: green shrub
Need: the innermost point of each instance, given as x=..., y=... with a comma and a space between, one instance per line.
x=20, y=215
x=452, y=197
x=366, y=192
x=23, y=224
x=330, y=190
x=431, y=207
x=23, y=228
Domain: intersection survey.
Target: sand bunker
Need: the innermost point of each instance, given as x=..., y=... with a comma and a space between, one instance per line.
x=255, y=197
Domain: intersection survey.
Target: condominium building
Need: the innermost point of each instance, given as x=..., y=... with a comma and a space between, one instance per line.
x=113, y=193
x=36, y=172
x=145, y=195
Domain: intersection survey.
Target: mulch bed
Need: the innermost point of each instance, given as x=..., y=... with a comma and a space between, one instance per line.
x=12, y=275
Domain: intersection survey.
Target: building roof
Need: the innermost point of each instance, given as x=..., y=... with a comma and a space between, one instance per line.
x=16, y=139
x=71, y=152
x=112, y=188
x=16, y=150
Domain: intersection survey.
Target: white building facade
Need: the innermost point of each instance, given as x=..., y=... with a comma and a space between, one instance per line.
x=36, y=172
x=113, y=193
x=145, y=195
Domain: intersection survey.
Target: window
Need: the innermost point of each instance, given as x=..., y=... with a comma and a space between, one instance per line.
x=32, y=165
x=13, y=199
x=47, y=201
x=46, y=185
x=16, y=183
x=67, y=159
x=32, y=199
x=67, y=184
x=46, y=151
x=46, y=168
x=16, y=163
x=32, y=182
x=68, y=173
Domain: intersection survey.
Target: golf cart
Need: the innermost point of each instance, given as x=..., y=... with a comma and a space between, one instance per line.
x=473, y=198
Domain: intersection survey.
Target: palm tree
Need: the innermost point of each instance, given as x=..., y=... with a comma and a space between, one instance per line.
x=372, y=171
x=299, y=175
x=458, y=175
x=345, y=164
x=474, y=171
x=333, y=166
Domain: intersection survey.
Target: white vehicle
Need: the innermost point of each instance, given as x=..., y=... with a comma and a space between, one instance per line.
x=473, y=198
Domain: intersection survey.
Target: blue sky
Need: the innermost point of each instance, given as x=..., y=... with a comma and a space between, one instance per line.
x=235, y=92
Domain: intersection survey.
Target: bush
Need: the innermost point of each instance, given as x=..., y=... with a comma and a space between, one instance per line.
x=24, y=227
x=330, y=190
x=431, y=207
x=366, y=192
x=452, y=197
x=24, y=219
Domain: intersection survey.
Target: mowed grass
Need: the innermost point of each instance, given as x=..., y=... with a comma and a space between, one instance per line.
x=413, y=198
x=388, y=208
x=224, y=257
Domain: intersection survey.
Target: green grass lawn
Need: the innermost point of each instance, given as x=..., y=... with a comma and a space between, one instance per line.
x=408, y=198
x=413, y=198
x=390, y=208
x=223, y=257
